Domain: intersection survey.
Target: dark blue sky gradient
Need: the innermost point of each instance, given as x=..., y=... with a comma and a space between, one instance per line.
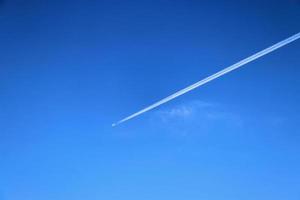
x=69, y=69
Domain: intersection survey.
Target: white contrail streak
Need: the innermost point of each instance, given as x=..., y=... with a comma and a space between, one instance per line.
x=214, y=76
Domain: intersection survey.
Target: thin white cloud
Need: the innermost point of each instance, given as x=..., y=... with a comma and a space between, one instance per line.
x=180, y=111
x=187, y=110
x=196, y=117
x=198, y=111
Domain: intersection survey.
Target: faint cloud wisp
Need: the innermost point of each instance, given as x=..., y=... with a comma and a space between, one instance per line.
x=198, y=115
x=184, y=111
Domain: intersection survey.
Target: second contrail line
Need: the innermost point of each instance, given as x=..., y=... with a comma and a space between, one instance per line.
x=214, y=76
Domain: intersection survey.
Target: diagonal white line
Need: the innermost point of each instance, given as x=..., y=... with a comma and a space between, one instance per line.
x=214, y=76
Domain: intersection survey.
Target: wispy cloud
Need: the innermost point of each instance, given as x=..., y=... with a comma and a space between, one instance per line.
x=184, y=111
x=197, y=115
x=196, y=110
x=204, y=116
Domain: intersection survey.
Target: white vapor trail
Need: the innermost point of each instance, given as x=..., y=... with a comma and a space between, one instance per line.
x=214, y=76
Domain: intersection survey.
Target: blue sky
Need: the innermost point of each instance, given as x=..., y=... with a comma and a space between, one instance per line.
x=68, y=69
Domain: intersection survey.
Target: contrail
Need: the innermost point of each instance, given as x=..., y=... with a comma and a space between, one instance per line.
x=214, y=76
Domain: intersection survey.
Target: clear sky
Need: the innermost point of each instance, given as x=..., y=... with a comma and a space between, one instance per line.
x=69, y=69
